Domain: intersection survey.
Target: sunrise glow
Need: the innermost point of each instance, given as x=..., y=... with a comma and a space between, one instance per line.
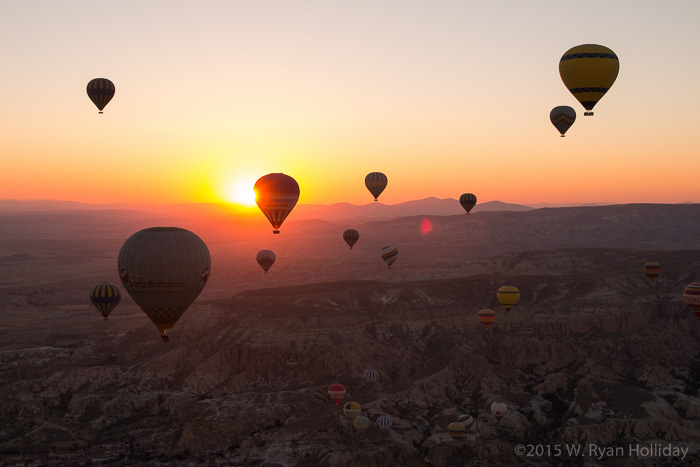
x=241, y=192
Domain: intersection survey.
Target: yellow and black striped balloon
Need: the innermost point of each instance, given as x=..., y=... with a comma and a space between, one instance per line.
x=508, y=296
x=100, y=91
x=588, y=71
x=105, y=297
x=652, y=269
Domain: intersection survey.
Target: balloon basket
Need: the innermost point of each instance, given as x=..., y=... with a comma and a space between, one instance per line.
x=588, y=114
x=275, y=231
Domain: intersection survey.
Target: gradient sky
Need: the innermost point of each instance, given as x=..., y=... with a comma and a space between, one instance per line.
x=444, y=97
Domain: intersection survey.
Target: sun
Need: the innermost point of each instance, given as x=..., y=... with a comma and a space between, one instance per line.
x=241, y=192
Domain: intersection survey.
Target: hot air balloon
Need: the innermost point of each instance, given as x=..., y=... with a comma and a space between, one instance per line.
x=164, y=269
x=466, y=420
x=105, y=297
x=291, y=362
x=276, y=195
x=100, y=91
x=455, y=430
x=486, y=318
x=361, y=423
x=371, y=375
x=265, y=258
x=384, y=422
x=508, y=296
x=691, y=295
x=588, y=71
x=468, y=201
x=351, y=236
x=562, y=118
x=375, y=183
x=652, y=270
x=389, y=254
x=352, y=410
x=336, y=392
x=499, y=409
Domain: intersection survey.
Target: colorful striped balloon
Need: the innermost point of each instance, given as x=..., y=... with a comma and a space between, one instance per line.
x=455, y=430
x=486, y=318
x=691, y=295
x=508, y=296
x=375, y=183
x=389, y=254
x=466, y=420
x=652, y=270
x=105, y=297
x=468, y=201
x=100, y=91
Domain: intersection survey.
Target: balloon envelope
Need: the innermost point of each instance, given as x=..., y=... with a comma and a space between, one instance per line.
x=588, y=71
x=375, y=183
x=265, y=258
x=652, y=270
x=336, y=392
x=468, y=201
x=276, y=195
x=486, y=318
x=508, y=296
x=499, y=409
x=562, y=118
x=455, y=430
x=105, y=297
x=100, y=91
x=384, y=422
x=351, y=236
x=361, y=423
x=371, y=375
x=466, y=420
x=164, y=269
x=352, y=409
x=691, y=295
x=389, y=254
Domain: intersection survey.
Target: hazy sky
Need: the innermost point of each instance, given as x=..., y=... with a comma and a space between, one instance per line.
x=444, y=97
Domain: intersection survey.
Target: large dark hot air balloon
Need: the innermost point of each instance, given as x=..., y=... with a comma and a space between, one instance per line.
x=351, y=236
x=164, y=269
x=588, y=71
x=375, y=183
x=105, y=297
x=100, y=91
x=468, y=201
x=562, y=118
x=276, y=195
x=265, y=258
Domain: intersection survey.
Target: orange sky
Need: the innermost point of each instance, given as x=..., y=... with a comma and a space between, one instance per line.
x=444, y=99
